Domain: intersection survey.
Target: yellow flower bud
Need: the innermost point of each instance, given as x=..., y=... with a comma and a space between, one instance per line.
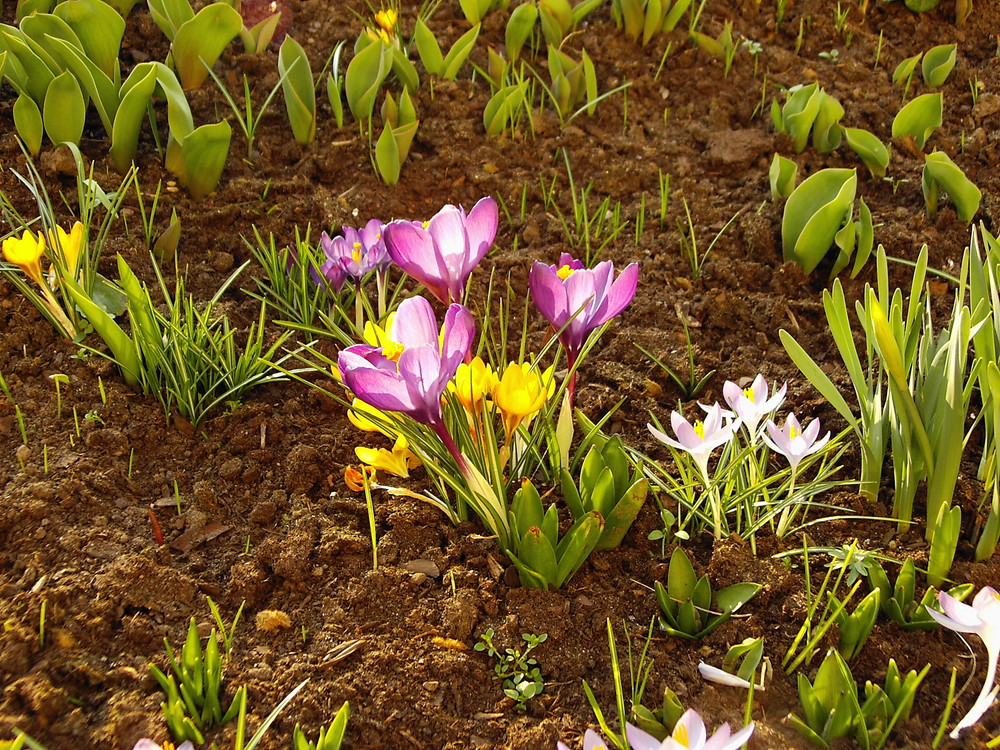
x=472, y=383
x=520, y=393
x=26, y=253
x=70, y=245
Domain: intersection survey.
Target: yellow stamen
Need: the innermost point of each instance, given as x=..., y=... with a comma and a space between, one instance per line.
x=565, y=272
x=748, y=392
x=699, y=429
x=793, y=433
x=356, y=252
x=680, y=735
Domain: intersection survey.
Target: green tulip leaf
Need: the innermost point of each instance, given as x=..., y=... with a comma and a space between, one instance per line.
x=36, y=75
x=681, y=579
x=782, y=175
x=26, y=7
x=428, y=48
x=673, y=16
x=458, y=53
x=537, y=554
x=575, y=547
x=65, y=109
x=519, y=27
x=298, y=89
x=387, y=157
x=122, y=348
x=872, y=152
x=919, y=118
x=102, y=90
x=364, y=78
x=620, y=519
x=814, y=214
x=799, y=114
x=204, y=151
x=136, y=92
x=200, y=41
x=170, y=15
x=99, y=28
x=28, y=123
x=937, y=64
x=940, y=172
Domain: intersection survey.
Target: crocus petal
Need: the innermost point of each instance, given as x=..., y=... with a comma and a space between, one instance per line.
x=379, y=388
x=640, y=740
x=593, y=741
x=458, y=331
x=548, y=294
x=621, y=293
x=958, y=615
x=481, y=226
x=693, y=728
x=663, y=438
x=412, y=249
x=414, y=324
x=714, y=674
x=738, y=740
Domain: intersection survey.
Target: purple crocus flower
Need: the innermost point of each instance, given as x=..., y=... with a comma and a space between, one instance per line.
x=442, y=253
x=354, y=255
x=423, y=362
x=578, y=300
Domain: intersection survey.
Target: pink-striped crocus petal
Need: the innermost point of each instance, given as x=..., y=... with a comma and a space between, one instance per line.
x=414, y=324
x=458, y=331
x=639, y=739
x=621, y=293
x=722, y=740
x=586, y=293
x=957, y=615
x=481, y=227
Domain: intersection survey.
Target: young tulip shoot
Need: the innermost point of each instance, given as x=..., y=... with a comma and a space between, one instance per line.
x=577, y=300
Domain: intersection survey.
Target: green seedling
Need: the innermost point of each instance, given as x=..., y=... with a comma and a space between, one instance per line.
x=193, y=690
x=832, y=708
x=688, y=608
x=897, y=601
x=608, y=485
x=245, y=116
x=818, y=214
x=59, y=379
x=542, y=559
x=445, y=66
x=330, y=738
x=646, y=19
x=937, y=65
x=393, y=146
x=722, y=47
x=782, y=175
x=809, y=110
x=227, y=633
x=199, y=42
x=256, y=39
x=519, y=674
x=856, y=626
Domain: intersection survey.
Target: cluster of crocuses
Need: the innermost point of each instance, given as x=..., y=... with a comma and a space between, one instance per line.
x=409, y=365
x=748, y=407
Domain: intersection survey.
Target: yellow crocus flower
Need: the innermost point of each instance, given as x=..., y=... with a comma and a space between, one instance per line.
x=375, y=335
x=386, y=20
x=472, y=383
x=520, y=393
x=398, y=461
x=26, y=253
x=70, y=244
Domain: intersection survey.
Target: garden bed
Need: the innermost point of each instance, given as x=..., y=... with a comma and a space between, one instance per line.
x=253, y=505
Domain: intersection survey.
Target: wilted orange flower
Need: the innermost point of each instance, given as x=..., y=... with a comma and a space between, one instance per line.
x=355, y=480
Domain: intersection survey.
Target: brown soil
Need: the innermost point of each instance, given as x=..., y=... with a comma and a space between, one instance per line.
x=265, y=518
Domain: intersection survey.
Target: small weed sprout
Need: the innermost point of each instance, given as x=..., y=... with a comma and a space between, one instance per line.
x=520, y=674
